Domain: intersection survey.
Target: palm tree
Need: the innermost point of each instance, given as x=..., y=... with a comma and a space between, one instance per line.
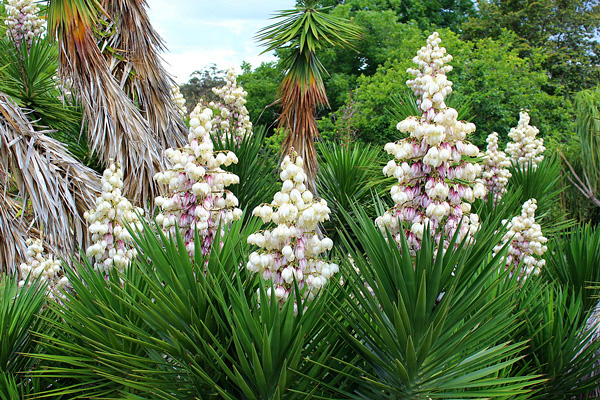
x=131, y=47
x=116, y=128
x=302, y=31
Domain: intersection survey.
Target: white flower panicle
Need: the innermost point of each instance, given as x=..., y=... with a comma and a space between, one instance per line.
x=179, y=100
x=197, y=200
x=525, y=148
x=526, y=242
x=230, y=114
x=436, y=180
x=43, y=267
x=495, y=168
x=112, y=244
x=23, y=21
x=291, y=249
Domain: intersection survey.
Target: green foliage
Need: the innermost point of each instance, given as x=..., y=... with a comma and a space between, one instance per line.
x=348, y=175
x=487, y=74
x=261, y=85
x=573, y=263
x=441, y=13
x=424, y=324
x=176, y=328
x=542, y=183
x=560, y=343
x=21, y=313
x=566, y=31
x=587, y=105
x=255, y=168
x=29, y=77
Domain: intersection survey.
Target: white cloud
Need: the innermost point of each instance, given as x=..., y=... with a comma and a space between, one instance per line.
x=200, y=33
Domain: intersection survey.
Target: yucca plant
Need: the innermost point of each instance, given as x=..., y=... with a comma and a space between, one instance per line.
x=302, y=32
x=404, y=105
x=178, y=328
x=560, y=347
x=573, y=260
x=21, y=312
x=424, y=324
x=348, y=175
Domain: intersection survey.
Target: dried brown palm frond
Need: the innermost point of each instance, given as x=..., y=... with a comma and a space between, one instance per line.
x=13, y=233
x=47, y=177
x=299, y=101
x=132, y=48
x=116, y=128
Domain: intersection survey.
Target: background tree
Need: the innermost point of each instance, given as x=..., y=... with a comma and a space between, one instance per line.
x=200, y=85
x=566, y=30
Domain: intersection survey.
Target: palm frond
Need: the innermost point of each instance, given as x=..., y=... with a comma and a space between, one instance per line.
x=298, y=110
x=116, y=129
x=132, y=47
x=13, y=232
x=58, y=187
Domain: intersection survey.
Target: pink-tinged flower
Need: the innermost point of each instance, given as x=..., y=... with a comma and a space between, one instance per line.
x=196, y=199
x=291, y=250
x=112, y=245
x=527, y=243
x=525, y=148
x=442, y=181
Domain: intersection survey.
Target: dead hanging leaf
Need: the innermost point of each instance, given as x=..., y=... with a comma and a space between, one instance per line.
x=47, y=177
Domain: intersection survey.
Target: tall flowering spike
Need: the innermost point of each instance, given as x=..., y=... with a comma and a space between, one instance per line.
x=43, y=267
x=526, y=242
x=495, y=168
x=437, y=181
x=179, y=100
x=111, y=242
x=197, y=199
x=525, y=148
x=230, y=114
x=291, y=249
x=23, y=21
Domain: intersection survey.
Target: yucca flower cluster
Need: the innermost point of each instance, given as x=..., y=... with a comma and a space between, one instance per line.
x=230, y=114
x=526, y=242
x=112, y=244
x=23, y=21
x=437, y=180
x=179, y=100
x=197, y=200
x=525, y=148
x=42, y=266
x=291, y=250
x=495, y=168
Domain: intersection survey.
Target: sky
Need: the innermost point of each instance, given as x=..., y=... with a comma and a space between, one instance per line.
x=199, y=33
